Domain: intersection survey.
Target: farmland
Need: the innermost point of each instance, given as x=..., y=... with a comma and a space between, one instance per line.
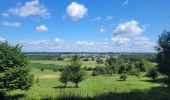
x=47, y=85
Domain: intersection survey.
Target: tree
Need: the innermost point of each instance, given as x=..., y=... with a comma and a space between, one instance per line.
x=14, y=69
x=64, y=78
x=73, y=72
x=163, y=57
x=76, y=72
x=153, y=73
x=99, y=61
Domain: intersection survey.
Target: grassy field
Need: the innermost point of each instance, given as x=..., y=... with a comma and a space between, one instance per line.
x=88, y=64
x=47, y=86
x=92, y=88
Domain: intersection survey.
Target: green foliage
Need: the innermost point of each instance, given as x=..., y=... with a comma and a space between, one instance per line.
x=45, y=66
x=42, y=69
x=92, y=59
x=86, y=59
x=123, y=76
x=99, y=71
x=99, y=61
x=65, y=76
x=153, y=73
x=163, y=57
x=73, y=72
x=135, y=71
x=37, y=81
x=14, y=69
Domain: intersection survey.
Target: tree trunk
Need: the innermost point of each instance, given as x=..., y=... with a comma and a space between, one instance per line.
x=65, y=85
x=77, y=85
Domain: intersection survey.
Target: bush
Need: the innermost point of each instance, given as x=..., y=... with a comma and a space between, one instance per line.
x=89, y=69
x=42, y=69
x=99, y=61
x=135, y=71
x=55, y=70
x=99, y=71
x=153, y=73
x=123, y=76
x=86, y=59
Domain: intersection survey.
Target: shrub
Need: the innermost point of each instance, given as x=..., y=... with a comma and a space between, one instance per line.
x=153, y=73
x=123, y=76
x=99, y=61
x=42, y=69
x=99, y=71
x=89, y=69
x=86, y=59
x=135, y=71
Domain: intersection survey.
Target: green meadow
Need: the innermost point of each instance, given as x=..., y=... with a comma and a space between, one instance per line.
x=106, y=87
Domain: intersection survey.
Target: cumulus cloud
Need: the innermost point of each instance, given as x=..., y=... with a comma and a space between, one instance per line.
x=120, y=41
x=116, y=44
x=142, y=42
x=58, y=41
x=42, y=45
x=30, y=8
x=41, y=28
x=11, y=24
x=129, y=28
x=2, y=39
x=76, y=11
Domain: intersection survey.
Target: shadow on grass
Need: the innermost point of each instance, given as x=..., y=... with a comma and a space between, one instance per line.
x=159, y=93
x=162, y=81
x=13, y=97
x=63, y=87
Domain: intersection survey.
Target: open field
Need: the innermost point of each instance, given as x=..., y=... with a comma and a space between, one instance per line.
x=92, y=87
x=88, y=64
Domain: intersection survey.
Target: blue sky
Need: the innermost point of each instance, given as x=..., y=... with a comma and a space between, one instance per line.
x=84, y=25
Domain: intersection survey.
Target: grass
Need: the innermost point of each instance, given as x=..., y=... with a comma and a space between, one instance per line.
x=91, y=88
x=88, y=64
x=45, y=66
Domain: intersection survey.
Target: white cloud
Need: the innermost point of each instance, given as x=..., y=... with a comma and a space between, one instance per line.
x=120, y=41
x=58, y=41
x=41, y=28
x=42, y=45
x=125, y=2
x=96, y=19
x=2, y=39
x=29, y=9
x=11, y=24
x=142, y=42
x=76, y=11
x=109, y=17
x=84, y=43
x=130, y=28
x=116, y=44
x=102, y=30
x=4, y=14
